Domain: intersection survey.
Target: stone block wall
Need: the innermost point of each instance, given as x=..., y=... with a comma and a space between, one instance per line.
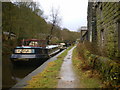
x=107, y=19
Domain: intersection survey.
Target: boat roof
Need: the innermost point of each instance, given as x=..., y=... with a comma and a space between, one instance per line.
x=33, y=40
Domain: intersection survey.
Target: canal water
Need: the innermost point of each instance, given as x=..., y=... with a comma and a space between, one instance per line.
x=12, y=74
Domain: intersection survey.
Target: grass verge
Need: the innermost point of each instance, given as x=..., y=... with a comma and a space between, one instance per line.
x=50, y=75
x=88, y=78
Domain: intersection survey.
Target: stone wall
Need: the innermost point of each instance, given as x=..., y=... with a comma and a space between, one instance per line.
x=107, y=20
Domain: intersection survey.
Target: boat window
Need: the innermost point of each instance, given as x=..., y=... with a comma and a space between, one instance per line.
x=33, y=43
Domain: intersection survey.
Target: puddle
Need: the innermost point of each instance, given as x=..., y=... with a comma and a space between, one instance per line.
x=68, y=76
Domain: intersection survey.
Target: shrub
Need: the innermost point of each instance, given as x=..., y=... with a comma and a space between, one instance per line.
x=109, y=69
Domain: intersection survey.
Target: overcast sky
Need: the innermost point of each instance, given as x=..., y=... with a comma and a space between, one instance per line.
x=72, y=12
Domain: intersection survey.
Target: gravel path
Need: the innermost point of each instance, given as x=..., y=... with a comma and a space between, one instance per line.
x=68, y=78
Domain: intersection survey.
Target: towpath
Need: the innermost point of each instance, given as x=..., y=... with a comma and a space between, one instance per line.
x=68, y=76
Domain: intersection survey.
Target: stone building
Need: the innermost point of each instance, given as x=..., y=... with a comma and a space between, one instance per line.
x=104, y=26
x=83, y=34
x=91, y=24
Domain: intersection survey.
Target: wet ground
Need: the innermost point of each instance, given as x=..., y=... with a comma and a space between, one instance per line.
x=68, y=78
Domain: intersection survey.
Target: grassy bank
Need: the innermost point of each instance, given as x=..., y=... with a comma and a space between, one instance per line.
x=50, y=75
x=88, y=78
x=109, y=69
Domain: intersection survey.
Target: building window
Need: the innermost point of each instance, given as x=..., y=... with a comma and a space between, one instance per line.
x=101, y=11
x=102, y=37
x=90, y=35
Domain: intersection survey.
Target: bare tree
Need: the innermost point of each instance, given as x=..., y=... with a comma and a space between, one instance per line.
x=55, y=20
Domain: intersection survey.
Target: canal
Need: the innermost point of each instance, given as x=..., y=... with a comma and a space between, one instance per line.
x=12, y=74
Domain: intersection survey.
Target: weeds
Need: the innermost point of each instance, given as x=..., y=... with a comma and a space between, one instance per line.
x=108, y=69
x=88, y=78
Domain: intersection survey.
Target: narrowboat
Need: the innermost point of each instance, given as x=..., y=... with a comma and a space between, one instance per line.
x=33, y=49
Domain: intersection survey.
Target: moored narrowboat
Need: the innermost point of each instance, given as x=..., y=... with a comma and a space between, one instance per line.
x=33, y=49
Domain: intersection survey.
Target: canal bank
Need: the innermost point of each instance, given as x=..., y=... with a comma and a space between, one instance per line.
x=12, y=74
x=54, y=73
x=24, y=82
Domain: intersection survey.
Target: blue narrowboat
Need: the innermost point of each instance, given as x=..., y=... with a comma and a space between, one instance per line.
x=33, y=49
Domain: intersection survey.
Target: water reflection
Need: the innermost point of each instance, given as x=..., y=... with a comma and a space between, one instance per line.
x=7, y=80
x=12, y=74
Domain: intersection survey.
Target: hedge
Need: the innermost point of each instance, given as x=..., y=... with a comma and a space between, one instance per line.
x=107, y=67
